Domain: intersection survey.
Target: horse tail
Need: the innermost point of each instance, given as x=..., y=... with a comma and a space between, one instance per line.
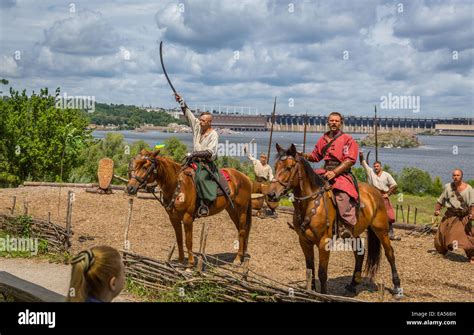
x=373, y=257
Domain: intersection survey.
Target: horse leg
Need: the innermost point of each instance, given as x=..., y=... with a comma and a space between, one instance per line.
x=359, y=259
x=178, y=230
x=308, y=251
x=323, y=264
x=390, y=254
x=188, y=231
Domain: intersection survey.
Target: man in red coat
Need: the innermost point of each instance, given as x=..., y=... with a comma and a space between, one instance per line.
x=339, y=152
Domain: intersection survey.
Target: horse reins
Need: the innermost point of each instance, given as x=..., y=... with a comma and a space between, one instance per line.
x=316, y=195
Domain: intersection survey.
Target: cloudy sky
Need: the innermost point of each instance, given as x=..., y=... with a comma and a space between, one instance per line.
x=318, y=56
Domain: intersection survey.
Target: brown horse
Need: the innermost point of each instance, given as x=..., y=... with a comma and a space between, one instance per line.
x=315, y=215
x=179, y=198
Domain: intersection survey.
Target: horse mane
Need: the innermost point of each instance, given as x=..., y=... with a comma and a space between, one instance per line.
x=315, y=179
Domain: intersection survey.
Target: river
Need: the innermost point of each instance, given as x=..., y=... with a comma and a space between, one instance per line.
x=437, y=155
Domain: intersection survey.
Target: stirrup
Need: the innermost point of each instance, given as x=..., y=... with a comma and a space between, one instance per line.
x=345, y=232
x=203, y=210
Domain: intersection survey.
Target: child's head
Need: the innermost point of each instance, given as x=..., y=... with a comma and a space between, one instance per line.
x=96, y=273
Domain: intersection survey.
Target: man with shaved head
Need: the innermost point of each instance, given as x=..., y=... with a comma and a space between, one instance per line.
x=455, y=230
x=205, y=140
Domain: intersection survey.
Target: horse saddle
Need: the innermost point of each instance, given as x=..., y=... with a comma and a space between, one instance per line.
x=224, y=178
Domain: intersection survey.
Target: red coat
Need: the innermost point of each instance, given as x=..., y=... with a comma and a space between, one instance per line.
x=343, y=148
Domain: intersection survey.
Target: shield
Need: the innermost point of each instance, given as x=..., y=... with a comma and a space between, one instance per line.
x=105, y=173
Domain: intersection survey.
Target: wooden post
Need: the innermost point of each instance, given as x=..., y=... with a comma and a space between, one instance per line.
x=408, y=214
x=127, y=227
x=170, y=254
x=396, y=214
x=403, y=215
x=49, y=217
x=309, y=278
x=202, y=246
x=12, y=211
x=381, y=288
x=25, y=208
x=69, y=217
x=246, y=267
x=416, y=212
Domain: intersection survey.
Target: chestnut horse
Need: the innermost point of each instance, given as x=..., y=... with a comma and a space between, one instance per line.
x=179, y=198
x=315, y=215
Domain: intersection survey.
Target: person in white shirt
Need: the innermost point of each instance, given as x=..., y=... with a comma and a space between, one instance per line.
x=263, y=171
x=384, y=182
x=205, y=141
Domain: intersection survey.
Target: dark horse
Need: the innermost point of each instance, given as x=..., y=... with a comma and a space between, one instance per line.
x=315, y=214
x=179, y=197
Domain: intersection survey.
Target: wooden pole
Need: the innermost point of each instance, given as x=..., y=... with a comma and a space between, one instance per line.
x=129, y=221
x=69, y=217
x=12, y=211
x=309, y=278
x=376, y=137
x=408, y=214
x=403, y=215
x=381, y=287
x=396, y=214
x=202, y=246
x=25, y=208
x=305, y=126
x=271, y=128
x=170, y=254
x=246, y=268
x=416, y=212
x=49, y=218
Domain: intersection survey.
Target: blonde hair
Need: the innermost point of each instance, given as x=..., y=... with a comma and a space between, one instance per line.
x=91, y=272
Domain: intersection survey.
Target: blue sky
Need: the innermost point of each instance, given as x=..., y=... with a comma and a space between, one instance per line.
x=318, y=56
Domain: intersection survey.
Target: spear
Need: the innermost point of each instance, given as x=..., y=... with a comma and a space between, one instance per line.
x=376, y=138
x=271, y=128
x=305, y=124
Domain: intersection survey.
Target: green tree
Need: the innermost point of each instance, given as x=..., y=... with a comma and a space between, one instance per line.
x=436, y=187
x=414, y=181
x=175, y=149
x=39, y=141
x=112, y=146
x=360, y=174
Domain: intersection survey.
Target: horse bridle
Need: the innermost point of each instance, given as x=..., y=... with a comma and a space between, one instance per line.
x=142, y=181
x=287, y=185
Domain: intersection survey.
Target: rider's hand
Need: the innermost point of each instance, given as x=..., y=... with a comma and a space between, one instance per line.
x=329, y=175
x=245, y=149
x=436, y=213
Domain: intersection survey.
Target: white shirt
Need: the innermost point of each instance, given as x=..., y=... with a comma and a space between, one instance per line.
x=260, y=170
x=382, y=182
x=202, y=142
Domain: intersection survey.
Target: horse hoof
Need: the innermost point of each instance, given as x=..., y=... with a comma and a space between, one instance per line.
x=398, y=293
x=351, y=289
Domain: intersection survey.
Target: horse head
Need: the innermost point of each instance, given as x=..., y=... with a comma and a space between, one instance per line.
x=286, y=168
x=141, y=171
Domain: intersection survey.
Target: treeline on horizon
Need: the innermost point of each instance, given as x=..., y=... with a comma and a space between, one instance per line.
x=128, y=116
x=40, y=142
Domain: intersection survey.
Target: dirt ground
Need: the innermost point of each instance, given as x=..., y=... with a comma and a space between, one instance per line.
x=274, y=248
